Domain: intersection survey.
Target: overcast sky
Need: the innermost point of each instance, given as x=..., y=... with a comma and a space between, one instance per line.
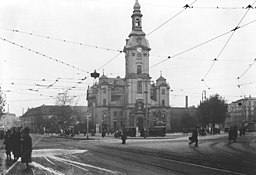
x=31, y=56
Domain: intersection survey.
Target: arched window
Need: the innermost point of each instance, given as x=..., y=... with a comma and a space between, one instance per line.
x=137, y=22
x=139, y=71
x=139, y=87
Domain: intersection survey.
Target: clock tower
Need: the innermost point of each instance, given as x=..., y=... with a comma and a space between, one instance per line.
x=136, y=52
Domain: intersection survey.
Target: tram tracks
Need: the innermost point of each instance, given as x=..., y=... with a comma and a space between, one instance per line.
x=171, y=162
x=229, y=160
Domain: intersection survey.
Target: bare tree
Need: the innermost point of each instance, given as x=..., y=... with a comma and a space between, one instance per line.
x=64, y=110
x=63, y=99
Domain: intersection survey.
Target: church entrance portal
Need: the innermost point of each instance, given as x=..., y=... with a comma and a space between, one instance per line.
x=140, y=123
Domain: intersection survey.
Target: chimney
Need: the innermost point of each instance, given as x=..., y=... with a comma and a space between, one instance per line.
x=186, y=101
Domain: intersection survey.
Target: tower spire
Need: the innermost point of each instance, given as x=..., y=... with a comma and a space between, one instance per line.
x=136, y=6
x=136, y=18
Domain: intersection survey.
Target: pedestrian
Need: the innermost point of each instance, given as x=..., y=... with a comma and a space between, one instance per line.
x=16, y=144
x=7, y=142
x=194, y=137
x=26, y=148
x=103, y=134
x=232, y=135
x=124, y=136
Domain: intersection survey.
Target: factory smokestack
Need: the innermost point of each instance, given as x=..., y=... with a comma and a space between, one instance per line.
x=186, y=101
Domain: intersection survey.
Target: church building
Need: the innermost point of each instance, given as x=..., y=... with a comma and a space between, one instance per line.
x=135, y=100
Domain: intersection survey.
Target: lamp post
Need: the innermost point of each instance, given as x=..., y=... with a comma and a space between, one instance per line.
x=88, y=115
x=203, y=98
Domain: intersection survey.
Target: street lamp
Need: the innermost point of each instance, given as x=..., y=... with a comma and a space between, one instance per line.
x=88, y=115
x=203, y=98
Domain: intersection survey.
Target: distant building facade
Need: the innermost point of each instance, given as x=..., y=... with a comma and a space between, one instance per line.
x=242, y=113
x=9, y=120
x=132, y=101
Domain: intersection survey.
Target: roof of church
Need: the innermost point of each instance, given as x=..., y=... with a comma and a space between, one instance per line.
x=114, y=81
x=103, y=77
x=161, y=78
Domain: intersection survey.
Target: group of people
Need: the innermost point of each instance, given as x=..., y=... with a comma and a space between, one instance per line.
x=19, y=143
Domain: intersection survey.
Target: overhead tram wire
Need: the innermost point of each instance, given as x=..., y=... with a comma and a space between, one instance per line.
x=110, y=60
x=250, y=66
x=184, y=8
x=203, y=43
x=28, y=100
x=71, y=42
x=62, y=40
x=46, y=56
x=192, y=48
x=233, y=32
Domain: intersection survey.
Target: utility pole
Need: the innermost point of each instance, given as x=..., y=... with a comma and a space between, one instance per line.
x=146, y=114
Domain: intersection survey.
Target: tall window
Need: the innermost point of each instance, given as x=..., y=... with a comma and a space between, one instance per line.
x=163, y=91
x=104, y=90
x=163, y=103
x=139, y=69
x=104, y=102
x=139, y=87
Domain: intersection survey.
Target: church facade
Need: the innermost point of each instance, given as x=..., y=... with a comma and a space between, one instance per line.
x=135, y=100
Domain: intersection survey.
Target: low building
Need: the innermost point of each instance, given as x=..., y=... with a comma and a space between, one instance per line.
x=242, y=113
x=49, y=117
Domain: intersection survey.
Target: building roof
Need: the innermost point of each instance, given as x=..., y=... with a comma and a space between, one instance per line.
x=161, y=78
x=51, y=110
x=113, y=81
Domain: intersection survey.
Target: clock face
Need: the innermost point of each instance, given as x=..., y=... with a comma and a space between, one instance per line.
x=139, y=49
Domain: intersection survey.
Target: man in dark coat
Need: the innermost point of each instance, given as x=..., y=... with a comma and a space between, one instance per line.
x=124, y=136
x=7, y=142
x=194, y=137
x=16, y=143
x=26, y=148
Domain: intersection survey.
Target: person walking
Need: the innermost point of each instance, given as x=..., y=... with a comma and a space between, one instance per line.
x=16, y=142
x=7, y=142
x=194, y=137
x=26, y=148
x=124, y=136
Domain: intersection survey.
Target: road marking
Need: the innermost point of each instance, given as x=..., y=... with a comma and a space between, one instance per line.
x=48, y=160
x=52, y=171
x=53, y=154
